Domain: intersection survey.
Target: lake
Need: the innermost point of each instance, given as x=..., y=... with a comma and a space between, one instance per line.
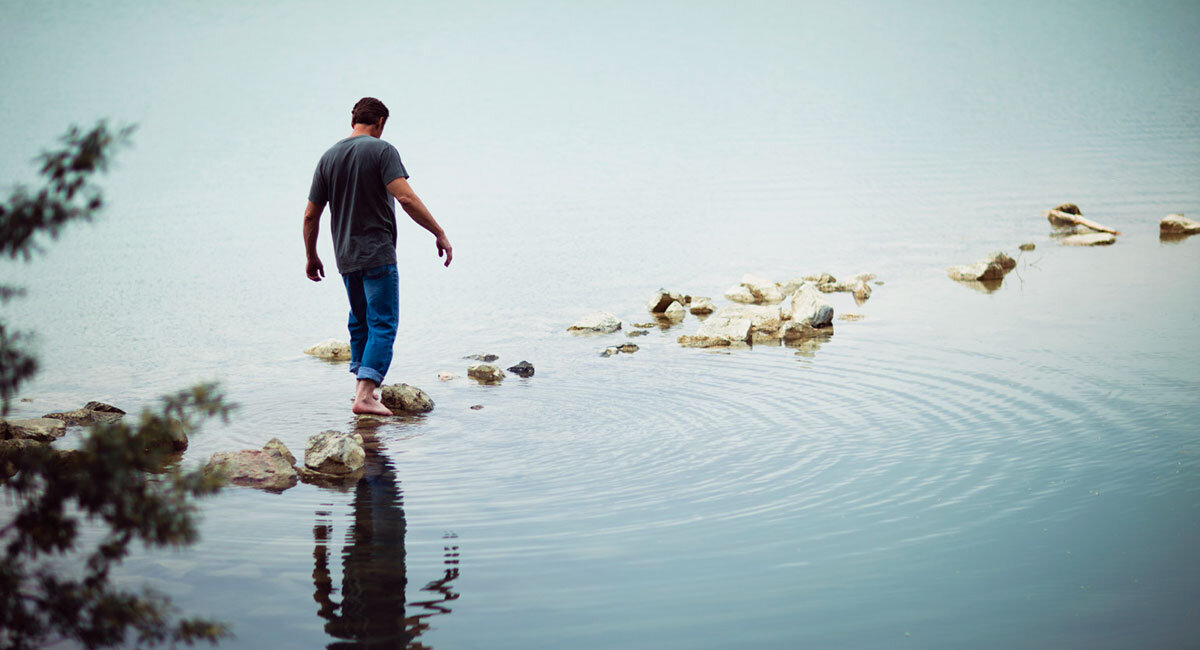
x=1019, y=468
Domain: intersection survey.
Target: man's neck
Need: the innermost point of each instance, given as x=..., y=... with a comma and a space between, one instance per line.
x=365, y=129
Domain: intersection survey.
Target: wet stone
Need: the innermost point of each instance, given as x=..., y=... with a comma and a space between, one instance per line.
x=523, y=369
x=486, y=358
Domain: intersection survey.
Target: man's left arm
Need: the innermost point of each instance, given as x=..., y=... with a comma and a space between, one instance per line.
x=312, y=226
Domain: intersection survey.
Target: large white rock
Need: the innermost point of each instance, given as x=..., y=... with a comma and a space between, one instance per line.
x=719, y=331
x=334, y=452
x=762, y=289
x=740, y=293
x=808, y=307
x=332, y=349
x=597, y=322
x=763, y=318
x=1177, y=224
x=1097, y=239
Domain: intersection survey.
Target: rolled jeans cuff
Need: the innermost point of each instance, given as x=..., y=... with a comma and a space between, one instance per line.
x=370, y=373
x=354, y=366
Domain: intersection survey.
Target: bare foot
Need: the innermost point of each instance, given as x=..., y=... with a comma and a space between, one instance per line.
x=370, y=406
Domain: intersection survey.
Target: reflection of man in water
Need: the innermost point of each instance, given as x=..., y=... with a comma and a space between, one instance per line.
x=372, y=613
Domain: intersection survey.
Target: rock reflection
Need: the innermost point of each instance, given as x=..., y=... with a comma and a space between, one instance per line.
x=982, y=286
x=372, y=612
x=807, y=347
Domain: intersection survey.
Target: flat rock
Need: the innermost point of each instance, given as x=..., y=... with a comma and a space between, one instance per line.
x=91, y=413
x=523, y=369
x=598, y=322
x=334, y=452
x=981, y=270
x=764, y=319
x=276, y=446
x=740, y=293
x=719, y=331
x=851, y=317
x=1177, y=224
x=403, y=397
x=331, y=349
x=485, y=373
x=662, y=299
x=1028, y=246
x=486, y=358
x=265, y=470
x=37, y=429
x=837, y=287
x=627, y=348
x=1096, y=239
x=633, y=333
x=702, y=305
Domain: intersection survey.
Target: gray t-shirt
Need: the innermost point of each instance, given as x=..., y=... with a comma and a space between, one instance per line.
x=352, y=178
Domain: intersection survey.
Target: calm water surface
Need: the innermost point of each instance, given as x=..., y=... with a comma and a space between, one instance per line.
x=1018, y=468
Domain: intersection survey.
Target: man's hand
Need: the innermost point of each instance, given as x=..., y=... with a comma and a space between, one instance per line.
x=443, y=246
x=315, y=270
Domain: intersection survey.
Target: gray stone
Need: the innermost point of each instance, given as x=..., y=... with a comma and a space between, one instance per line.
x=334, y=452
x=662, y=299
x=1177, y=224
x=331, y=349
x=1097, y=239
x=37, y=429
x=485, y=373
x=265, y=470
x=276, y=446
x=523, y=369
x=702, y=305
x=403, y=397
x=599, y=322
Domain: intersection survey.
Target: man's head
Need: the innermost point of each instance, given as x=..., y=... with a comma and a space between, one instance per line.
x=371, y=112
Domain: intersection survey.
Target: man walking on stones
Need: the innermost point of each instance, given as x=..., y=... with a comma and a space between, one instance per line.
x=358, y=177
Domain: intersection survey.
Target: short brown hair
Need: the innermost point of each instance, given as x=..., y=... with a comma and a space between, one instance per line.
x=368, y=110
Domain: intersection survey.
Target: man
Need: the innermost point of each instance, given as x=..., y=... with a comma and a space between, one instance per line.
x=358, y=177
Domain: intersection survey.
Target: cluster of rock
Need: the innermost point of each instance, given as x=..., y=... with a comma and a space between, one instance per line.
x=756, y=290
x=487, y=373
x=773, y=316
x=53, y=426
x=330, y=457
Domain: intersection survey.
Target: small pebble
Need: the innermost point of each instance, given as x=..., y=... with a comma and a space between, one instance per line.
x=447, y=376
x=627, y=348
x=486, y=358
x=476, y=407
x=632, y=333
x=1027, y=247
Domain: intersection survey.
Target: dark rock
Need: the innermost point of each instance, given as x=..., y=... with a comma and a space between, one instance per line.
x=1027, y=247
x=476, y=407
x=101, y=407
x=628, y=348
x=38, y=429
x=1069, y=208
x=91, y=413
x=523, y=369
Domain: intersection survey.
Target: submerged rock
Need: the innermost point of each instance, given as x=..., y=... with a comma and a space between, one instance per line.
x=256, y=468
x=1027, y=246
x=485, y=373
x=91, y=413
x=851, y=317
x=599, y=322
x=523, y=369
x=334, y=452
x=403, y=397
x=37, y=429
x=719, y=331
x=446, y=376
x=486, y=358
x=1096, y=239
x=331, y=349
x=702, y=305
x=610, y=351
x=627, y=348
x=633, y=333
x=1177, y=224
x=764, y=319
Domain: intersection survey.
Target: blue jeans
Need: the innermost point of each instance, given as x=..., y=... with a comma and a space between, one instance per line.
x=374, y=313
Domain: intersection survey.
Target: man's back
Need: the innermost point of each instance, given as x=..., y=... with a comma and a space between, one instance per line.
x=352, y=177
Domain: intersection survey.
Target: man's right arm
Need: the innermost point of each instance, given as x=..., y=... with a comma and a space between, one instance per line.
x=312, y=225
x=417, y=211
